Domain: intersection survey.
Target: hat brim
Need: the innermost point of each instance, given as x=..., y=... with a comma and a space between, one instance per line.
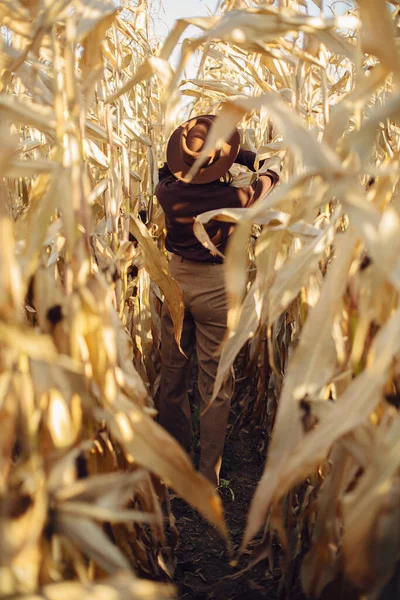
x=206, y=174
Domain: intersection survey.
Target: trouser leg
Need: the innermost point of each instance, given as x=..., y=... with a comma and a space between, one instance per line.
x=210, y=314
x=174, y=406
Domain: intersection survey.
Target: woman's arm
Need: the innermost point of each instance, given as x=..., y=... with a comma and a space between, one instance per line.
x=265, y=182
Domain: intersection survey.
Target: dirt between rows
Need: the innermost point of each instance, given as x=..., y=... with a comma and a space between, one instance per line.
x=204, y=567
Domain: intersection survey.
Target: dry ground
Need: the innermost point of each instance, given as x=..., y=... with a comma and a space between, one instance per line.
x=203, y=568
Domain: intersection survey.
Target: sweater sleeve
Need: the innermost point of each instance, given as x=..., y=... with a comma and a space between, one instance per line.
x=246, y=158
x=251, y=193
x=264, y=183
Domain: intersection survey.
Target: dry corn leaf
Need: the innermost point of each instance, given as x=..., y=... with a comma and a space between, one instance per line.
x=294, y=274
x=93, y=22
x=11, y=286
x=307, y=451
x=377, y=33
x=90, y=539
x=320, y=564
x=153, y=448
x=79, y=167
x=121, y=587
x=27, y=112
x=314, y=154
x=60, y=421
x=157, y=266
x=149, y=67
x=370, y=500
x=28, y=342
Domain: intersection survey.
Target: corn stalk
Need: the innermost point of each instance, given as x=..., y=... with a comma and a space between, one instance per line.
x=87, y=100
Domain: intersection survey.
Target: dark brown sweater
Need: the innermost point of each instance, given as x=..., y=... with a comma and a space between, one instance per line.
x=182, y=202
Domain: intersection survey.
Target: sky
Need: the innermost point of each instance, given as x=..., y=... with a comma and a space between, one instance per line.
x=166, y=12
x=170, y=10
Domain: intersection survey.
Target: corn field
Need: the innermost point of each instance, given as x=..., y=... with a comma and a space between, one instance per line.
x=88, y=98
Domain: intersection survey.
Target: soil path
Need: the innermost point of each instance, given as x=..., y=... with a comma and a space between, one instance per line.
x=203, y=566
x=203, y=570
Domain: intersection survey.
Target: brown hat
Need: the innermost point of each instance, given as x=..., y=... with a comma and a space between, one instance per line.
x=186, y=144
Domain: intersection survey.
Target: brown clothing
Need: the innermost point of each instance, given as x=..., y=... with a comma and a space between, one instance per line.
x=182, y=202
x=204, y=328
x=201, y=278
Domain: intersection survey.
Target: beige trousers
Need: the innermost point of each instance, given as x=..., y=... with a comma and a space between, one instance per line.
x=204, y=327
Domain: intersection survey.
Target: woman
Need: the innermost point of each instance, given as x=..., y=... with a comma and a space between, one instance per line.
x=201, y=278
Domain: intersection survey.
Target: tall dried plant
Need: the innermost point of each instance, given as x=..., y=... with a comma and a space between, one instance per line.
x=87, y=101
x=82, y=278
